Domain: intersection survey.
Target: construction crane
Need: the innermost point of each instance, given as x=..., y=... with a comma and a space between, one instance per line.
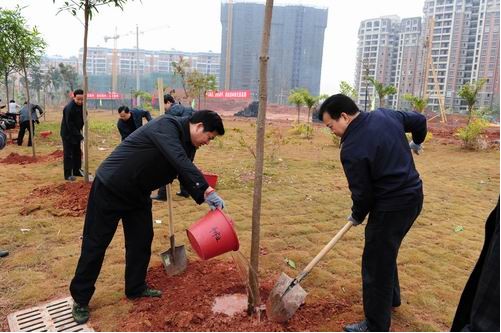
x=429, y=63
x=114, y=62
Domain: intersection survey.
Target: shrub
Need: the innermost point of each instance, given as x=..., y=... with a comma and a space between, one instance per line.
x=470, y=134
x=304, y=130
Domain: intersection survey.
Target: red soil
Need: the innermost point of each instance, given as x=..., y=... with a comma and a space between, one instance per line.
x=69, y=199
x=15, y=158
x=186, y=304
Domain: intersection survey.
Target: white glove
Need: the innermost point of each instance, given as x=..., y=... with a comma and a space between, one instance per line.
x=417, y=149
x=353, y=221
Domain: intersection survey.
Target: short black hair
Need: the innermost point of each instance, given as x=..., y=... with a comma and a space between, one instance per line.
x=169, y=98
x=12, y=101
x=78, y=92
x=337, y=104
x=210, y=119
x=123, y=108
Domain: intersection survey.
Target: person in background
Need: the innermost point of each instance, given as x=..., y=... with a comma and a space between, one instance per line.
x=385, y=185
x=478, y=308
x=24, y=121
x=130, y=120
x=71, y=135
x=13, y=106
x=3, y=142
x=176, y=110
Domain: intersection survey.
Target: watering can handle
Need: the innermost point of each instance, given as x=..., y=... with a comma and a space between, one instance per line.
x=169, y=200
x=324, y=251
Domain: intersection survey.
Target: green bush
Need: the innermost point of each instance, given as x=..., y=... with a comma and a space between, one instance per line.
x=304, y=130
x=470, y=134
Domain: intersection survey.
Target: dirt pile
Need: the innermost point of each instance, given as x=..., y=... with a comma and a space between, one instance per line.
x=188, y=300
x=15, y=158
x=69, y=199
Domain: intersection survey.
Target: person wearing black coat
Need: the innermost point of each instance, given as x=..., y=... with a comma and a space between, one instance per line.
x=478, y=309
x=71, y=134
x=384, y=185
x=176, y=110
x=130, y=120
x=153, y=155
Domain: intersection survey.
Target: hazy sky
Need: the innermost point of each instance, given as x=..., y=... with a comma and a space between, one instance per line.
x=194, y=25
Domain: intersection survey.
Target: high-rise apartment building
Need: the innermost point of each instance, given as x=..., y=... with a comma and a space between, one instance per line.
x=295, y=54
x=455, y=43
x=100, y=61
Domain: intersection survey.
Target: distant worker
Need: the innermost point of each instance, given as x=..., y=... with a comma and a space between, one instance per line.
x=71, y=134
x=24, y=122
x=13, y=107
x=177, y=110
x=3, y=142
x=130, y=120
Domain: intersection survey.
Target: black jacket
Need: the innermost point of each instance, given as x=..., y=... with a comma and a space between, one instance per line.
x=151, y=157
x=72, y=123
x=378, y=162
x=137, y=118
x=478, y=309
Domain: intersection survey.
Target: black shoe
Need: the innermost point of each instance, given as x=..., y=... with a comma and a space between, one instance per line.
x=183, y=194
x=148, y=292
x=3, y=253
x=71, y=178
x=158, y=197
x=78, y=173
x=80, y=313
x=361, y=326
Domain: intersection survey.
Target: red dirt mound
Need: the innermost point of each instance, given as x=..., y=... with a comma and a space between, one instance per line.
x=187, y=301
x=15, y=158
x=70, y=199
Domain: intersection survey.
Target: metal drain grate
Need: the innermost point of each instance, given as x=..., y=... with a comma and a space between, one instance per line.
x=51, y=317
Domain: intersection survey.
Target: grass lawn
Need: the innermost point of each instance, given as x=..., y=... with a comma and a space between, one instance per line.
x=305, y=202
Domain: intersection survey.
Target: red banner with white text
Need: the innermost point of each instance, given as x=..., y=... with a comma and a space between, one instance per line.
x=243, y=94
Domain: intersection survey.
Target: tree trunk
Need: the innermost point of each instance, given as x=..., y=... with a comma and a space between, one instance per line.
x=298, y=111
x=85, y=88
x=28, y=106
x=309, y=113
x=7, y=89
x=470, y=109
x=254, y=298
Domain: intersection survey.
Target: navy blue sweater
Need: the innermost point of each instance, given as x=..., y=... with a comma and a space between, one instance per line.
x=126, y=127
x=378, y=162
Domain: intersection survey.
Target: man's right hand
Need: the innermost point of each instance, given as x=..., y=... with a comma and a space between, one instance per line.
x=353, y=221
x=417, y=149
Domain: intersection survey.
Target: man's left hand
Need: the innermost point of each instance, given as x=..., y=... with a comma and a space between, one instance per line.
x=353, y=221
x=417, y=149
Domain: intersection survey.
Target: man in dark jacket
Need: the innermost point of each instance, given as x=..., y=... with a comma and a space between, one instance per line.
x=155, y=154
x=130, y=120
x=24, y=121
x=177, y=110
x=478, y=309
x=71, y=134
x=384, y=183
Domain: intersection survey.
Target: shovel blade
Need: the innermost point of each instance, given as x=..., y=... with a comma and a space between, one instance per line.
x=281, y=307
x=174, y=262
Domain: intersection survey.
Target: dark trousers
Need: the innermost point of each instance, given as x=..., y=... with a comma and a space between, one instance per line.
x=104, y=210
x=381, y=290
x=72, y=159
x=23, y=127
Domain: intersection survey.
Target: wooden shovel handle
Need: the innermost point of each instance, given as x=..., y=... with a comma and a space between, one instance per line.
x=323, y=252
x=169, y=200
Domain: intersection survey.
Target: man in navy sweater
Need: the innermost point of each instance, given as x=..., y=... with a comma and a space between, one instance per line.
x=385, y=185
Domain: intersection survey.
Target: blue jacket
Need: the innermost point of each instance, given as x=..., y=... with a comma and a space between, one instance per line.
x=137, y=117
x=23, y=113
x=378, y=162
x=178, y=110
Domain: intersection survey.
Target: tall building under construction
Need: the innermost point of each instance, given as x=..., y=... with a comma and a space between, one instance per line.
x=296, y=47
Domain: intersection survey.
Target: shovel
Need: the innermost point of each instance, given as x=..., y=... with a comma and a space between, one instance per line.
x=174, y=259
x=287, y=295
